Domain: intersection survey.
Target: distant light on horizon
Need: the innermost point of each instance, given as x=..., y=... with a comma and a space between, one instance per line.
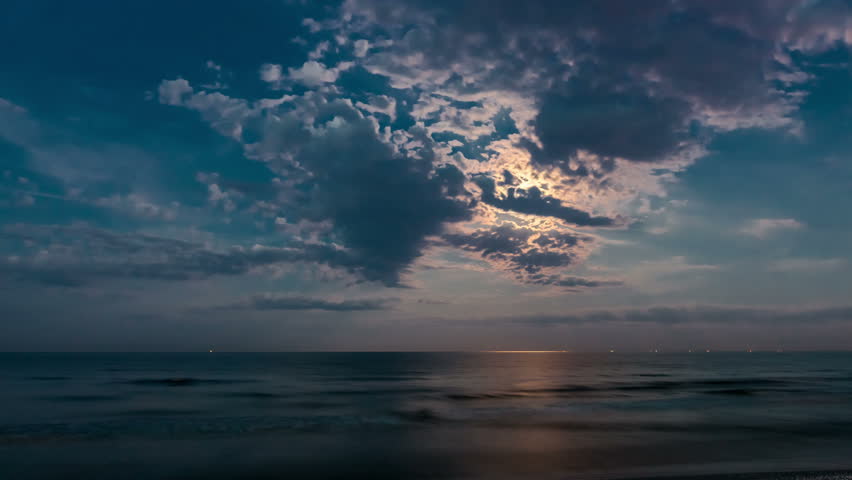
x=525, y=351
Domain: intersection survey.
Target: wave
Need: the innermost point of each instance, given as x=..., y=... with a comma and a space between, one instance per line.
x=182, y=381
x=253, y=395
x=386, y=391
x=171, y=424
x=84, y=398
x=712, y=386
x=482, y=396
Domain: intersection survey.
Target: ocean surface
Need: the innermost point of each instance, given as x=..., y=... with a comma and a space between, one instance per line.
x=425, y=415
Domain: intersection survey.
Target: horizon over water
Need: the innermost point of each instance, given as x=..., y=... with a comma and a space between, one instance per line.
x=466, y=415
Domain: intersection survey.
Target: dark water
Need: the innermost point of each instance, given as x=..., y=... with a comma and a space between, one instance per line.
x=422, y=415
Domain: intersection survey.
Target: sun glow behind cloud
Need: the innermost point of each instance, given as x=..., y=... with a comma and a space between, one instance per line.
x=423, y=163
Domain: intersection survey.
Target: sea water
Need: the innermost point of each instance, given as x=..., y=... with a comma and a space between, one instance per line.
x=424, y=415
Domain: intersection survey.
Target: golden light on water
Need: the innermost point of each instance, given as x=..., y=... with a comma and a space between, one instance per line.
x=525, y=351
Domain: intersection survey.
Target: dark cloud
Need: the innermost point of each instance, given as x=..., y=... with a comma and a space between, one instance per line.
x=630, y=40
x=382, y=203
x=697, y=314
x=334, y=168
x=527, y=254
x=509, y=179
x=613, y=78
x=532, y=202
x=647, y=69
x=633, y=126
x=271, y=301
x=571, y=282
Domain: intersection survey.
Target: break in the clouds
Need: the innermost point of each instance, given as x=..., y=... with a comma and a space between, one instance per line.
x=463, y=158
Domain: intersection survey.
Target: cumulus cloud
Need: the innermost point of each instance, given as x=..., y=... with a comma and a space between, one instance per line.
x=617, y=81
x=216, y=195
x=507, y=44
x=557, y=114
x=360, y=47
x=314, y=74
x=226, y=114
x=380, y=104
x=270, y=73
x=333, y=165
x=173, y=92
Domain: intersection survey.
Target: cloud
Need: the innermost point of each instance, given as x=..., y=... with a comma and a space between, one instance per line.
x=577, y=109
x=274, y=301
x=532, y=256
x=531, y=201
x=573, y=282
x=225, y=114
x=360, y=47
x=524, y=249
x=803, y=265
x=506, y=45
x=138, y=205
x=609, y=123
x=764, y=227
x=216, y=195
x=387, y=223
x=331, y=164
x=78, y=255
x=702, y=314
x=174, y=92
x=270, y=73
x=314, y=74
x=7, y=105
x=380, y=104
x=607, y=83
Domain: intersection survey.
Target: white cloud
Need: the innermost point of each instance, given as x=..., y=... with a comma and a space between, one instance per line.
x=319, y=51
x=226, y=114
x=172, y=92
x=808, y=265
x=361, y=47
x=7, y=105
x=667, y=275
x=380, y=104
x=216, y=195
x=313, y=25
x=138, y=205
x=270, y=72
x=764, y=227
x=314, y=74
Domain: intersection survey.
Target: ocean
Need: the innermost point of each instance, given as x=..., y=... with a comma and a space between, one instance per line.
x=425, y=415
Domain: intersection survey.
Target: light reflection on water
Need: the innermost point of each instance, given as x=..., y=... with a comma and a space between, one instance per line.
x=477, y=415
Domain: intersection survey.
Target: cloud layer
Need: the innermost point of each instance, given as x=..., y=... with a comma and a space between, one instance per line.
x=476, y=157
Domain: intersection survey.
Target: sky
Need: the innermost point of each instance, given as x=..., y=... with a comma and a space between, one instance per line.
x=425, y=175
